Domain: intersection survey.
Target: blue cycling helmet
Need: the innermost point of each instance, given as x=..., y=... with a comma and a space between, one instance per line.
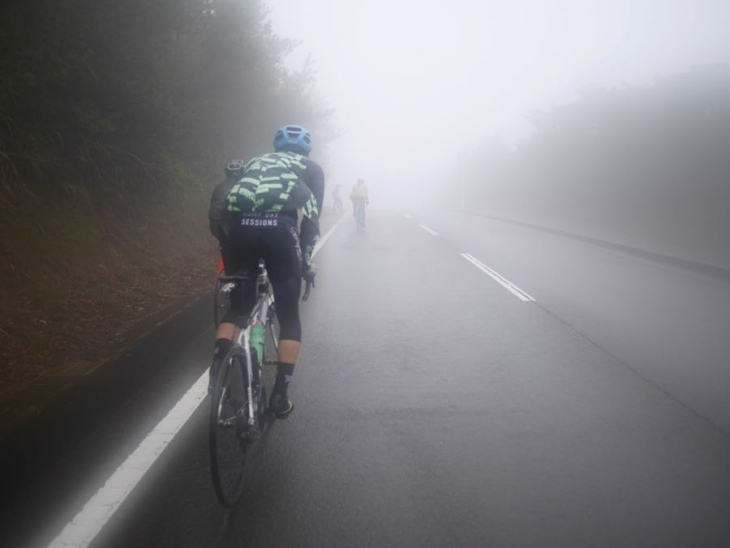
x=293, y=138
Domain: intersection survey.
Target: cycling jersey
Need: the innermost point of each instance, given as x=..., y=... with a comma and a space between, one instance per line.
x=280, y=182
x=359, y=192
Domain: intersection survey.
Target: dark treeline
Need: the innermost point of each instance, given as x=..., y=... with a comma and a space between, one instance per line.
x=645, y=165
x=116, y=119
x=109, y=94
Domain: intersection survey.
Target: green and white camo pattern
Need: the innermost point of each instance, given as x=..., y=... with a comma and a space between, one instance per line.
x=272, y=183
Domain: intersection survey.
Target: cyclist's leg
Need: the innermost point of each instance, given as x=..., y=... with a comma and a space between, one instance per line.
x=240, y=255
x=286, y=294
x=221, y=299
x=360, y=211
x=283, y=262
x=238, y=259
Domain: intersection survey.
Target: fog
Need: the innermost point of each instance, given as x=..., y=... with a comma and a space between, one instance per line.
x=414, y=83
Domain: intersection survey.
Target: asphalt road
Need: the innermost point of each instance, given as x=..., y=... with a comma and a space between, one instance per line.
x=436, y=408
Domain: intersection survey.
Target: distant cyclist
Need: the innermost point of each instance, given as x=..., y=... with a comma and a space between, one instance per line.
x=359, y=197
x=260, y=221
x=234, y=171
x=337, y=205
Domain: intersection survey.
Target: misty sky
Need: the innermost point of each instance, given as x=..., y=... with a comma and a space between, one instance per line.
x=413, y=82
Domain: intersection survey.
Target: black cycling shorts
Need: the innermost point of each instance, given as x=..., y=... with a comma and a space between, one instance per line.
x=273, y=237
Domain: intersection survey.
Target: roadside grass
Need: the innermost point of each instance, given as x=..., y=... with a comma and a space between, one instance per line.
x=40, y=341
x=46, y=296
x=74, y=277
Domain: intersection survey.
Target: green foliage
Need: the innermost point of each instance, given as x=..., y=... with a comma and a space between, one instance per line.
x=673, y=133
x=126, y=96
x=645, y=163
x=46, y=296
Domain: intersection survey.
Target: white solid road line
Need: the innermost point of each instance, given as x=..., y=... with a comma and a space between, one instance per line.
x=82, y=530
x=329, y=233
x=429, y=230
x=512, y=288
x=85, y=526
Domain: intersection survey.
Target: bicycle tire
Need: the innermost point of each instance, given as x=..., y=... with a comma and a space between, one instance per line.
x=227, y=448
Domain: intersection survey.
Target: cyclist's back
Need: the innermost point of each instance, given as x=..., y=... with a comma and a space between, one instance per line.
x=359, y=191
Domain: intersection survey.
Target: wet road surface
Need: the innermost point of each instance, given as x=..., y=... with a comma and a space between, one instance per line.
x=435, y=407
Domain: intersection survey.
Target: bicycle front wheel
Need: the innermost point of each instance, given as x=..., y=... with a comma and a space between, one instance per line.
x=227, y=444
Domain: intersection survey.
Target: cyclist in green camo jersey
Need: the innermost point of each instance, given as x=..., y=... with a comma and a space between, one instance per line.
x=260, y=221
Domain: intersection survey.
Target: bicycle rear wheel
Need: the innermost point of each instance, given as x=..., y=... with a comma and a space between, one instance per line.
x=227, y=445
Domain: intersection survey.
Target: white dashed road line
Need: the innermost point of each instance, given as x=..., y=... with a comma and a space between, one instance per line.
x=509, y=286
x=429, y=230
x=87, y=524
x=407, y=216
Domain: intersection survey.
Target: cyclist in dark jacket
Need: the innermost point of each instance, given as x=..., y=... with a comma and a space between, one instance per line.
x=234, y=171
x=260, y=221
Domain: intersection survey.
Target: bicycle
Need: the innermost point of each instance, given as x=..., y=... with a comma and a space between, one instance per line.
x=360, y=215
x=238, y=412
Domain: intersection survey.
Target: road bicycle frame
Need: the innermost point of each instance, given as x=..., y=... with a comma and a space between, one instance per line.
x=246, y=420
x=242, y=342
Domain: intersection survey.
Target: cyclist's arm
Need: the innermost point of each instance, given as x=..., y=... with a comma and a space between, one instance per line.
x=308, y=236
